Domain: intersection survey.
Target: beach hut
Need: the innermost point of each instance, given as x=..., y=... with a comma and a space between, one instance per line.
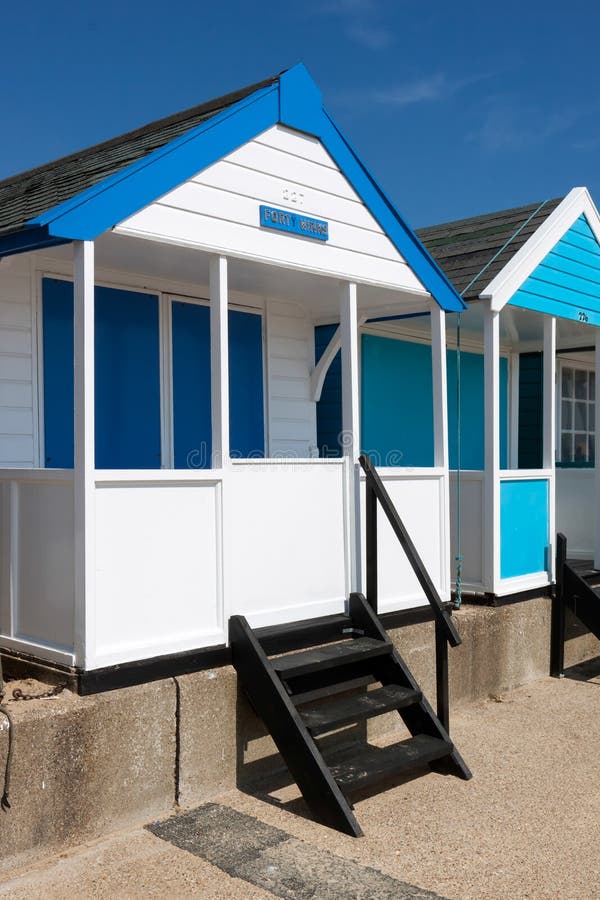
x=160, y=469
x=522, y=382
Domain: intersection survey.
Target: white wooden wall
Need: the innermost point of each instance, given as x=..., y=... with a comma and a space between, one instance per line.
x=218, y=210
x=292, y=423
x=17, y=365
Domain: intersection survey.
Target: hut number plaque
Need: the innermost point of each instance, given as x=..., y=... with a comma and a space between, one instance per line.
x=294, y=223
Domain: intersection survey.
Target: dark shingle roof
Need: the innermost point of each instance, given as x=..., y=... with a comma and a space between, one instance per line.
x=25, y=196
x=463, y=248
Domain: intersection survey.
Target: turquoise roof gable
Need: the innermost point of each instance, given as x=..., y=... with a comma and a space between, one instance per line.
x=567, y=281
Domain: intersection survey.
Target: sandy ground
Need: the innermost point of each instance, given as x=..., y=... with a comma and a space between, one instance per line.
x=526, y=826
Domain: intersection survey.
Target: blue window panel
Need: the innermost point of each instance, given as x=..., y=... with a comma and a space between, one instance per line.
x=127, y=380
x=396, y=402
x=566, y=282
x=523, y=527
x=472, y=386
x=127, y=398
x=246, y=394
x=329, y=407
x=192, y=385
x=57, y=342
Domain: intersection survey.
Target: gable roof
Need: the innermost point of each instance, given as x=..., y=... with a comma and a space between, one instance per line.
x=87, y=194
x=473, y=251
x=31, y=193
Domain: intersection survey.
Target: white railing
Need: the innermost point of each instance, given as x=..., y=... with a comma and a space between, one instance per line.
x=37, y=605
x=420, y=496
x=576, y=510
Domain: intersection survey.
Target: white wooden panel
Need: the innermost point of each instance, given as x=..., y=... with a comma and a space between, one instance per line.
x=197, y=198
x=576, y=510
x=292, y=424
x=286, y=529
x=16, y=364
x=16, y=393
x=5, y=558
x=269, y=189
x=472, y=526
x=15, y=368
x=260, y=158
x=13, y=340
x=163, y=223
x=289, y=388
x=16, y=450
x=43, y=580
x=16, y=421
x=297, y=144
x=419, y=502
x=157, y=570
x=14, y=315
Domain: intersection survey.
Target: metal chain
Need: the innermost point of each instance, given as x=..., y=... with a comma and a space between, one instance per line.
x=18, y=694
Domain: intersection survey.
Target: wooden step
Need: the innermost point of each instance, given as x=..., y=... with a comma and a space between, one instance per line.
x=330, y=656
x=322, y=717
x=305, y=633
x=365, y=766
x=331, y=689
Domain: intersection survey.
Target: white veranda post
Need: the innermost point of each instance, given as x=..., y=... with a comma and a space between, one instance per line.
x=549, y=430
x=351, y=427
x=491, y=338
x=84, y=462
x=440, y=424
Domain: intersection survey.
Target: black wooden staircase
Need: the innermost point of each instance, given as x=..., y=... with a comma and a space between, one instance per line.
x=307, y=679
x=578, y=591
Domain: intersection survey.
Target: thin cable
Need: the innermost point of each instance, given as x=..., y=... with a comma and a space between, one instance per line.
x=503, y=247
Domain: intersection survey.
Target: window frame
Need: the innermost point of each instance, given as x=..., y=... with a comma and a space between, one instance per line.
x=165, y=357
x=589, y=368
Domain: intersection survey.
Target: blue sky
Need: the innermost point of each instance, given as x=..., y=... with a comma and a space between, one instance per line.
x=458, y=108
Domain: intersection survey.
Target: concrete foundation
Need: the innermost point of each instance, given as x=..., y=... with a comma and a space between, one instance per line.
x=87, y=766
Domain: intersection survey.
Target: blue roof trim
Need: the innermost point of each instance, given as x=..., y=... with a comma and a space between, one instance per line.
x=294, y=101
x=114, y=199
x=30, y=239
x=300, y=101
x=390, y=219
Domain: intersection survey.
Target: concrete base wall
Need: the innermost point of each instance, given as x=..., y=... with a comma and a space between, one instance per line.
x=86, y=766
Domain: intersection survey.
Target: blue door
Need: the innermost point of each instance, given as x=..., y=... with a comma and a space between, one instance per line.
x=191, y=385
x=127, y=376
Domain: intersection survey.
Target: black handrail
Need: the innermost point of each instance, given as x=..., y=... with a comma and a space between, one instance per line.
x=377, y=492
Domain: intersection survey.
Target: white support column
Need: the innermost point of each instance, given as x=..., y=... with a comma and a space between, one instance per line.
x=84, y=431
x=597, y=454
x=351, y=429
x=219, y=361
x=440, y=433
x=491, y=525
x=549, y=431
x=440, y=389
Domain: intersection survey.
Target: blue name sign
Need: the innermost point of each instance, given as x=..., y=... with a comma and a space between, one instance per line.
x=294, y=223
